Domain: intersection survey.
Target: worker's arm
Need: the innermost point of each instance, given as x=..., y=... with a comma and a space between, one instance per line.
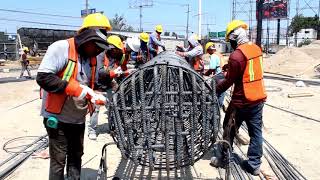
x=134, y=56
x=156, y=41
x=52, y=63
x=232, y=74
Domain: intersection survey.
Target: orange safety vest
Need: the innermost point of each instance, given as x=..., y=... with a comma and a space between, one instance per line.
x=252, y=79
x=197, y=63
x=55, y=101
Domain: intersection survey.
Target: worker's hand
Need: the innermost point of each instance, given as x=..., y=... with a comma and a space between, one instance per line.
x=163, y=48
x=139, y=58
x=99, y=100
x=180, y=53
x=86, y=92
x=118, y=71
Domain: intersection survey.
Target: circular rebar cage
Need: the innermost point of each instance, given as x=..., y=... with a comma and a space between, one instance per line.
x=164, y=115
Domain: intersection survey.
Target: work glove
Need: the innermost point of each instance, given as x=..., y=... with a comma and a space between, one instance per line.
x=99, y=100
x=163, y=48
x=118, y=71
x=76, y=90
x=86, y=92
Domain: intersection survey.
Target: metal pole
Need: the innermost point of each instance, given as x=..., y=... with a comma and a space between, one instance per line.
x=140, y=8
x=87, y=7
x=187, y=30
x=318, y=28
x=278, y=32
x=200, y=18
x=259, y=22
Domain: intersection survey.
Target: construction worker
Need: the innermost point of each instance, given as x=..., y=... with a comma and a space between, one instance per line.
x=246, y=74
x=142, y=55
x=114, y=66
x=25, y=63
x=193, y=53
x=67, y=75
x=155, y=41
x=214, y=67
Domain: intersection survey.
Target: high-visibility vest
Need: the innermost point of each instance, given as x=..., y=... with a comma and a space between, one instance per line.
x=198, y=63
x=123, y=63
x=55, y=101
x=252, y=79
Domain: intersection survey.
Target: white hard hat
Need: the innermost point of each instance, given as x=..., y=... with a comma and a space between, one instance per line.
x=134, y=44
x=193, y=40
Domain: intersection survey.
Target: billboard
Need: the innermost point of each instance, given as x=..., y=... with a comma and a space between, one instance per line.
x=221, y=34
x=274, y=9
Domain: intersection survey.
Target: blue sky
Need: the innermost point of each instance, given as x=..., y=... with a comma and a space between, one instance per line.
x=170, y=13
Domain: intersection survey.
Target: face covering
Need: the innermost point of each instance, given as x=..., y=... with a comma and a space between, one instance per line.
x=233, y=44
x=239, y=35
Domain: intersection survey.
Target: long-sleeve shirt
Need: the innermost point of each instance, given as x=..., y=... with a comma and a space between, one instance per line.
x=154, y=42
x=53, y=63
x=196, y=51
x=236, y=67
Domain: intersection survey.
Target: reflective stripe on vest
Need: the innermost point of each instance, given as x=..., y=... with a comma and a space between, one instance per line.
x=55, y=101
x=69, y=70
x=253, y=85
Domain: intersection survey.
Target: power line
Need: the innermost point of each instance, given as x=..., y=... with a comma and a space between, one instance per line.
x=36, y=22
x=40, y=14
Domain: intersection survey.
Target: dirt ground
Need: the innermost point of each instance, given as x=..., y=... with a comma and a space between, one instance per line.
x=295, y=137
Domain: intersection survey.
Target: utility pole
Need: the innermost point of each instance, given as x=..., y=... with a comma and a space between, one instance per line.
x=187, y=29
x=135, y=4
x=259, y=21
x=199, y=18
x=140, y=9
x=87, y=7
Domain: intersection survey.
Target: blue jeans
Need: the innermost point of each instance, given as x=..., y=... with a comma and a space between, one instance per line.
x=219, y=78
x=253, y=118
x=92, y=125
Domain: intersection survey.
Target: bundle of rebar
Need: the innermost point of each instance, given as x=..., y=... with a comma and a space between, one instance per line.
x=164, y=115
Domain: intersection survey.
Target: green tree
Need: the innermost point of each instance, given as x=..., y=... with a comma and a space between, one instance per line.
x=119, y=23
x=300, y=22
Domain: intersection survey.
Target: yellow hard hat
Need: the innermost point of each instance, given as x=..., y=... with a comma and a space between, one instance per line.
x=115, y=41
x=25, y=49
x=144, y=37
x=234, y=25
x=96, y=20
x=159, y=28
x=209, y=44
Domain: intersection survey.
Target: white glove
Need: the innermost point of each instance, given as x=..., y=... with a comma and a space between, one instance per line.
x=118, y=71
x=98, y=100
x=86, y=91
x=131, y=70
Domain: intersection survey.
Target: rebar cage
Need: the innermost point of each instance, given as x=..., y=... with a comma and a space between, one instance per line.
x=164, y=115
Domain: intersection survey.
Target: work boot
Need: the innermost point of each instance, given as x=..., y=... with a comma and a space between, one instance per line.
x=218, y=162
x=218, y=159
x=92, y=136
x=245, y=166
